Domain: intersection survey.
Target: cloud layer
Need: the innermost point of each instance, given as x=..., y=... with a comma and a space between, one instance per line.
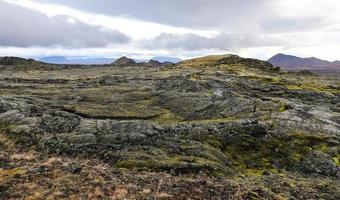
x=254, y=28
x=223, y=42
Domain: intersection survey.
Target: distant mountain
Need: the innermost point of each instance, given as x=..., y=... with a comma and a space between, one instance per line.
x=99, y=61
x=337, y=62
x=154, y=63
x=289, y=62
x=54, y=59
x=15, y=61
x=124, y=61
x=76, y=61
x=164, y=59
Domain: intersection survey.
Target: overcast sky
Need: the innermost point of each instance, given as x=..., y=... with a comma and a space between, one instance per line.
x=179, y=28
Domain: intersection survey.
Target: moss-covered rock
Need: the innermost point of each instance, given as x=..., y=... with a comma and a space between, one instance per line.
x=320, y=163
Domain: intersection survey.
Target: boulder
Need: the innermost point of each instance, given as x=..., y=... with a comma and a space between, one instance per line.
x=320, y=163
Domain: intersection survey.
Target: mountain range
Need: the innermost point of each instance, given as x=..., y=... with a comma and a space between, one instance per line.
x=76, y=60
x=286, y=62
x=289, y=62
x=99, y=61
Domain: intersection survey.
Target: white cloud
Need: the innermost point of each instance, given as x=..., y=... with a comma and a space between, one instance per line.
x=132, y=27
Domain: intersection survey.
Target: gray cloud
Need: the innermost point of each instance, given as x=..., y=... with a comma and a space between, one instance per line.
x=185, y=13
x=224, y=41
x=22, y=27
x=224, y=15
x=283, y=24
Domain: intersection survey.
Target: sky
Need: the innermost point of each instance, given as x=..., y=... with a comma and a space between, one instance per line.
x=177, y=28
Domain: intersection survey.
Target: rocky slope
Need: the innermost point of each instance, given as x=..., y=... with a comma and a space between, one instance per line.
x=224, y=121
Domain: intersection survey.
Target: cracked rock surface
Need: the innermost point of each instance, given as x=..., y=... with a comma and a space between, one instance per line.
x=216, y=116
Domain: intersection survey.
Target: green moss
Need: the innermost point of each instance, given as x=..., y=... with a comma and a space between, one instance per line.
x=7, y=174
x=337, y=160
x=179, y=164
x=309, y=85
x=212, y=140
x=283, y=107
x=309, y=142
x=142, y=109
x=286, y=152
x=4, y=125
x=167, y=117
x=194, y=77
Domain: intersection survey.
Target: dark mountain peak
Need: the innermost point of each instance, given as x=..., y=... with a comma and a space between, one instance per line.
x=290, y=62
x=157, y=63
x=154, y=62
x=124, y=61
x=282, y=56
x=11, y=61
